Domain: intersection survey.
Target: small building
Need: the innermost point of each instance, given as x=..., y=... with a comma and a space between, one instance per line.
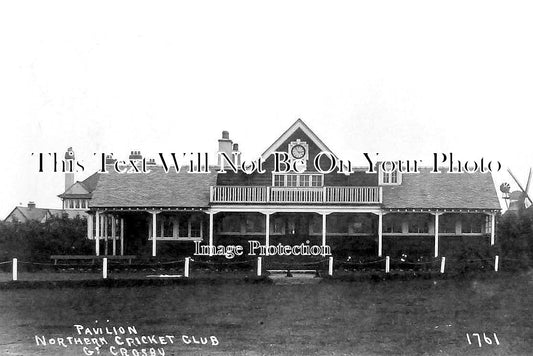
x=28, y=213
x=32, y=213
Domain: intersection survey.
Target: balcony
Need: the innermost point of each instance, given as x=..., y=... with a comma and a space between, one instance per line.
x=300, y=195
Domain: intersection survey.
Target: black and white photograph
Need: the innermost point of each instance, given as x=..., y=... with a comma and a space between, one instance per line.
x=266, y=178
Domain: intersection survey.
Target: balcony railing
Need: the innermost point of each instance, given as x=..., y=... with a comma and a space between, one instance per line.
x=262, y=194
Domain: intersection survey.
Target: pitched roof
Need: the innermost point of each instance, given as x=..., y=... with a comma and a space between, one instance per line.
x=76, y=190
x=422, y=190
x=42, y=214
x=443, y=191
x=90, y=182
x=298, y=124
x=154, y=189
x=82, y=189
x=37, y=214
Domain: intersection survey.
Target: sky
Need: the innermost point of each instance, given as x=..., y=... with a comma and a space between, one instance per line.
x=404, y=79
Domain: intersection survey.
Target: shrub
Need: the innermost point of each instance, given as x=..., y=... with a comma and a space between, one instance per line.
x=34, y=241
x=514, y=236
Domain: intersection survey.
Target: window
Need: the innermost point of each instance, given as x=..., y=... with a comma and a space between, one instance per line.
x=255, y=223
x=488, y=224
x=316, y=180
x=291, y=225
x=447, y=223
x=388, y=175
x=298, y=180
x=277, y=226
x=168, y=226
x=315, y=225
x=337, y=224
x=183, y=228
x=360, y=224
x=292, y=180
x=386, y=178
x=418, y=224
x=195, y=226
x=394, y=177
x=392, y=224
x=471, y=224
x=165, y=225
x=186, y=227
x=279, y=180
x=231, y=223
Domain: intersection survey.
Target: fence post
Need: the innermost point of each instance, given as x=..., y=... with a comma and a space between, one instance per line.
x=258, y=266
x=387, y=264
x=442, y=264
x=330, y=267
x=186, y=268
x=496, y=262
x=15, y=269
x=104, y=268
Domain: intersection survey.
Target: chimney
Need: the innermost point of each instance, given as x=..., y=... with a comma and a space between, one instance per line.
x=135, y=155
x=31, y=205
x=225, y=145
x=236, y=158
x=109, y=159
x=69, y=162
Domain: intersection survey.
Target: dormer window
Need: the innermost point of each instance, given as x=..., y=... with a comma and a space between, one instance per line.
x=389, y=176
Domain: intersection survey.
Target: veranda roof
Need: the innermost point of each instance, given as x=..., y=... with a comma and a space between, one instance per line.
x=427, y=190
x=154, y=189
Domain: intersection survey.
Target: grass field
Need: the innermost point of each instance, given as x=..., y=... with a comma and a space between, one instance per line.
x=416, y=317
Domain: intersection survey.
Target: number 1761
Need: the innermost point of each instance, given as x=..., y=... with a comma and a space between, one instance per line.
x=486, y=338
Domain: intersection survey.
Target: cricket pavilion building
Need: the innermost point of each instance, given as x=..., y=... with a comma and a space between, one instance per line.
x=357, y=215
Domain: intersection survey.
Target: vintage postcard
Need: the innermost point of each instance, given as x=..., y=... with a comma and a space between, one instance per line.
x=266, y=178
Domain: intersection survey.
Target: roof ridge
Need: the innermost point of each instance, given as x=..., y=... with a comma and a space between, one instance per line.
x=299, y=123
x=89, y=177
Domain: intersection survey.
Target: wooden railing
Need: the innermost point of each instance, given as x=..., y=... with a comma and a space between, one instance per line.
x=296, y=195
x=353, y=194
x=238, y=194
x=262, y=194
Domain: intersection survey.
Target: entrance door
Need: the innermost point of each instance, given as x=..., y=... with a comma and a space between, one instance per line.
x=136, y=230
x=296, y=232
